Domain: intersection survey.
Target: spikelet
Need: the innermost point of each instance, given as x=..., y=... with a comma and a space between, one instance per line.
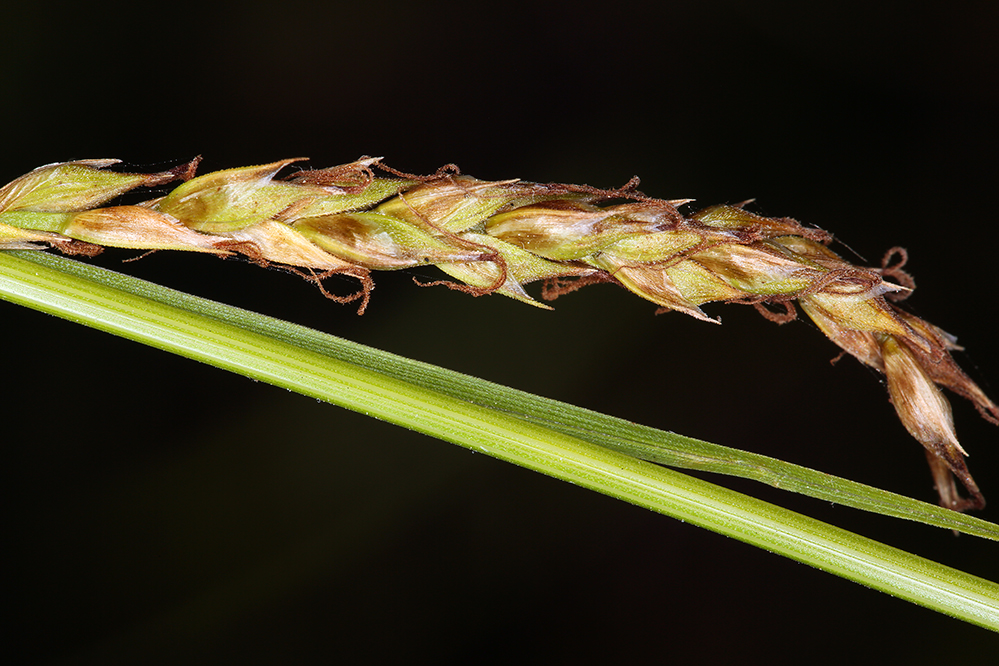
x=497, y=237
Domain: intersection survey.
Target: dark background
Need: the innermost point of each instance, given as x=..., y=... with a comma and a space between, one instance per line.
x=162, y=511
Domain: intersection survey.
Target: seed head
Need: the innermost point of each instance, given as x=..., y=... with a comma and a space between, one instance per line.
x=497, y=237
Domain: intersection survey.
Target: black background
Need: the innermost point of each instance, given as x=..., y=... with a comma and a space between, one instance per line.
x=163, y=511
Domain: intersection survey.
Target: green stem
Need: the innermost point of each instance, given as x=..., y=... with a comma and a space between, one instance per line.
x=398, y=391
x=629, y=438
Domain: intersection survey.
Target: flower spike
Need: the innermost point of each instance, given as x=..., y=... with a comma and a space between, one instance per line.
x=497, y=237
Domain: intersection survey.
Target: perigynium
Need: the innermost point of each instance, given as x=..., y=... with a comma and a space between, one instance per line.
x=496, y=237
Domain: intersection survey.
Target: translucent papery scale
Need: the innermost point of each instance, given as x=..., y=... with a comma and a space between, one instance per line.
x=497, y=237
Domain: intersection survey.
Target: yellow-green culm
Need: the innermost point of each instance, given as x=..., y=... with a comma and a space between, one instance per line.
x=495, y=237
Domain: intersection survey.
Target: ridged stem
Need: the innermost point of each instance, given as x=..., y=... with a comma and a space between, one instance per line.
x=236, y=340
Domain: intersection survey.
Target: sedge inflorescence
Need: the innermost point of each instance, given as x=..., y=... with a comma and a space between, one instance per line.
x=497, y=237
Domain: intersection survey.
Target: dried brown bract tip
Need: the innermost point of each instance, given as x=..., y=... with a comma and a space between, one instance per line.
x=926, y=414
